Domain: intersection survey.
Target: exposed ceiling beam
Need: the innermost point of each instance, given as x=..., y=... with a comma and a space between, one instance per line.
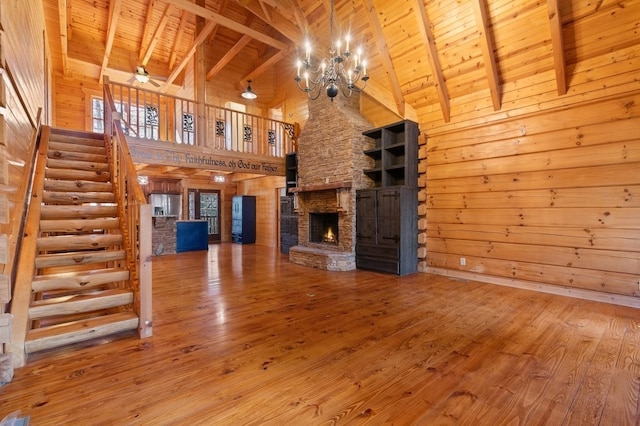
x=265, y=10
x=381, y=94
x=168, y=169
x=146, y=29
x=228, y=23
x=114, y=14
x=176, y=42
x=386, y=57
x=557, y=44
x=288, y=8
x=156, y=35
x=279, y=22
x=264, y=66
x=425, y=31
x=64, y=42
x=221, y=9
x=231, y=53
x=482, y=22
x=200, y=38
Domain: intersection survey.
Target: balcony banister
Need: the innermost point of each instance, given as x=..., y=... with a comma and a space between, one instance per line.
x=157, y=116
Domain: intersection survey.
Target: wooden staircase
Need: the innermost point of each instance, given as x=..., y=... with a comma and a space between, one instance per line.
x=80, y=289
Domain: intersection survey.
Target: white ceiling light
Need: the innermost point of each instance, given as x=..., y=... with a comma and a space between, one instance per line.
x=249, y=93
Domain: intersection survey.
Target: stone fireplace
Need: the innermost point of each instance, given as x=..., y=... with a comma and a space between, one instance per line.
x=330, y=164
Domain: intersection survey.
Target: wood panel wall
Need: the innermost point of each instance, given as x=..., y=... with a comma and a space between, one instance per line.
x=71, y=100
x=267, y=207
x=22, y=96
x=552, y=198
x=544, y=192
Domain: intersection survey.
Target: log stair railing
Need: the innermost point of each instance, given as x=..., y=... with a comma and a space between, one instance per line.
x=80, y=278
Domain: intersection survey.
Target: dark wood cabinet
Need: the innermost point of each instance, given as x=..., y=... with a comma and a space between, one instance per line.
x=291, y=172
x=387, y=230
x=243, y=219
x=288, y=224
x=164, y=186
x=395, y=155
x=387, y=215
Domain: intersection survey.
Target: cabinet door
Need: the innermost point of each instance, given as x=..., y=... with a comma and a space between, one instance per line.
x=366, y=217
x=389, y=217
x=236, y=215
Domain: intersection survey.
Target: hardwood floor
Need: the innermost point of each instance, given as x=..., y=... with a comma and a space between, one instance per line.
x=241, y=336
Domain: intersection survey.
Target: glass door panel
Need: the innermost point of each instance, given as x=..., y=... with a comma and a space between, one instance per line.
x=205, y=205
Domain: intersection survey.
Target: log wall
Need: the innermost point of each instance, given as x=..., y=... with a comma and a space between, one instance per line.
x=545, y=190
x=267, y=206
x=22, y=100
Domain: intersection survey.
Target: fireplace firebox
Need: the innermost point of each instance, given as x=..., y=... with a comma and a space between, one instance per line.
x=323, y=228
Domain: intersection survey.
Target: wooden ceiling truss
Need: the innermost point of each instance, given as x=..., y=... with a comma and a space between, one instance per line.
x=424, y=57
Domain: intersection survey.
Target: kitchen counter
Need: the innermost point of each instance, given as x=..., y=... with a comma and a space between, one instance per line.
x=191, y=235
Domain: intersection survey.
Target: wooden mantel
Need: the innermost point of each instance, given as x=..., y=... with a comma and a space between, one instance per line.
x=321, y=187
x=342, y=196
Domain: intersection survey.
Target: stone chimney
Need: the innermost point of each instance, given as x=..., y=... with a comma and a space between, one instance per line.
x=330, y=164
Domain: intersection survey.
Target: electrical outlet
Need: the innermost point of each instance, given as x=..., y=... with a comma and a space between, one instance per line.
x=463, y=261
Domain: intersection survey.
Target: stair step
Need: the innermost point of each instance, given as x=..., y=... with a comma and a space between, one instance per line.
x=72, y=147
x=52, y=163
x=77, y=139
x=79, y=331
x=78, y=225
x=78, y=258
x=55, y=197
x=70, y=174
x=76, y=156
x=77, y=186
x=77, y=212
x=78, y=242
x=74, y=304
x=78, y=280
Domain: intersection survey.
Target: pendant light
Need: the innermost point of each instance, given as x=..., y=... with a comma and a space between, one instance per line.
x=249, y=93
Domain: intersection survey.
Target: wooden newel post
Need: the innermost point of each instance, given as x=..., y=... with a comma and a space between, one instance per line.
x=145, y=314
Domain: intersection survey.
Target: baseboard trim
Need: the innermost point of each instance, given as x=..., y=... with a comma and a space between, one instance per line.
x=615, y=299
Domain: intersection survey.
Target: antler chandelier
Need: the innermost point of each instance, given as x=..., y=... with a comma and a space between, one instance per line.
x=340, y=72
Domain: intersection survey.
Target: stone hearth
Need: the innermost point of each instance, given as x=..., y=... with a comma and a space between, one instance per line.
x=330, y=164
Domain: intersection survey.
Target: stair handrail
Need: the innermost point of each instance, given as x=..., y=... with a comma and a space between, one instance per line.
x=134, y=213
x=26, y=188
x=21, y=298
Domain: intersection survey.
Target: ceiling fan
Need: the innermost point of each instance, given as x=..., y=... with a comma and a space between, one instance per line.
x=142, y=76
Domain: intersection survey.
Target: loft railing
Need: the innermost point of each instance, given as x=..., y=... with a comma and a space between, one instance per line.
x=151, y=115
x=134, y=213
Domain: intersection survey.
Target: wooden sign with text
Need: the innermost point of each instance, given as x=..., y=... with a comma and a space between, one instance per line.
x=195, y=157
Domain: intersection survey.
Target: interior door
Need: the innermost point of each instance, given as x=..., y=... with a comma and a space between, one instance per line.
x=205, y=205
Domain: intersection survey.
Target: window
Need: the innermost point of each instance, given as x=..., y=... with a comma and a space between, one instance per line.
x=97, y=115
x=139, y=121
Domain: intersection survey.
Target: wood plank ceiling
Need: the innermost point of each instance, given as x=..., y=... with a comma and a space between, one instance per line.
x=423, y=55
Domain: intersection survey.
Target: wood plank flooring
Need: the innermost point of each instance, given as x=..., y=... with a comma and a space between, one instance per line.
x=242, y=336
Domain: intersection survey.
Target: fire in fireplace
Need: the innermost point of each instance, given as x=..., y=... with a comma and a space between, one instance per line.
x=323, y=228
